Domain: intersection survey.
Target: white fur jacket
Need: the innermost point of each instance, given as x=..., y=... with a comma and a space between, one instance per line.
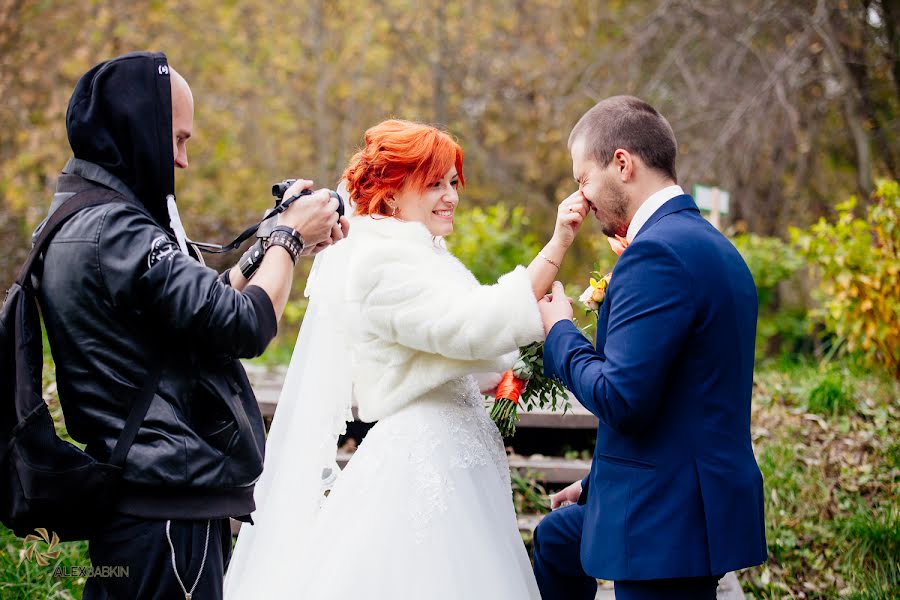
x=419, y=318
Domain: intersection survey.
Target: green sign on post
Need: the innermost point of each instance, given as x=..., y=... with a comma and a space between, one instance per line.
x=713, y=200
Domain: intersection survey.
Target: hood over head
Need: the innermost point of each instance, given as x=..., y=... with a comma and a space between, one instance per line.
x=120, y=118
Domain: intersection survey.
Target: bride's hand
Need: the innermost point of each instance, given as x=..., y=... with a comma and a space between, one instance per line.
x=487, y=382
x=567, y=496
x=569, y=217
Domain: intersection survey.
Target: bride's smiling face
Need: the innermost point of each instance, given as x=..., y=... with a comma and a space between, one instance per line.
x=434, y=207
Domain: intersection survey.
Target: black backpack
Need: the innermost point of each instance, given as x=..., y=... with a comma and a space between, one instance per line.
x=44, y=480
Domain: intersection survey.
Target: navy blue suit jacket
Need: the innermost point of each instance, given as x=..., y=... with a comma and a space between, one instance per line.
x=674, y=489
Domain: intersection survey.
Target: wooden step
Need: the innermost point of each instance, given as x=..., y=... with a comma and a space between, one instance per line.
x=552, y=470
x=542, y=468
x=267, y=387
x=577, y=418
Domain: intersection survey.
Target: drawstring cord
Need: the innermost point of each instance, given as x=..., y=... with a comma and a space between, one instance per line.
x=176, y=224
x=188, y=595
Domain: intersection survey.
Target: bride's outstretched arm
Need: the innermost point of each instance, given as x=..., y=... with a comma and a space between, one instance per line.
x=543, y=269
x=409, y=300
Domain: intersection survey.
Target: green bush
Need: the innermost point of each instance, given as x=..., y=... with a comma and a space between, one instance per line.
x=492, y=241
x=780, y=330
x=770, y=260
x=831, y=396
x=858, y=262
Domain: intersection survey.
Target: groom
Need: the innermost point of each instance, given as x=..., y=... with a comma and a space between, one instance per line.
x=674, y=499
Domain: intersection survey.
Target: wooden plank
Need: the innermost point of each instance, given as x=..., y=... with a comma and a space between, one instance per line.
x=551, y=470
x=575, y=419
x=267, y=409
x=267, y=387
x=544, y=469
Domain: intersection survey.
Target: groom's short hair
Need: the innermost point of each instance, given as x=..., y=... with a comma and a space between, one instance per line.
x=631, y=124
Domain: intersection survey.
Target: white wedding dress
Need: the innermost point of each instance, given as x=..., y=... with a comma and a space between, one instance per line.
x=424, y=509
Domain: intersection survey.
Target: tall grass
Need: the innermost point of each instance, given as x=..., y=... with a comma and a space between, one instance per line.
x=826, y=445
x=873, y=549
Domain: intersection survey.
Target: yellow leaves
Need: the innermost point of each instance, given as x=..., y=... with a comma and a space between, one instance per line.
x=859, y=266
x=848, y=205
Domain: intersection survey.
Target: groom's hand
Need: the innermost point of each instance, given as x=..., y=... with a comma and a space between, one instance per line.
x=567, y=496
x=555, y=307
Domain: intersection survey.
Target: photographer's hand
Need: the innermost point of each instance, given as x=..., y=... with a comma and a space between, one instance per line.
x=340, y=230
x=313, y=216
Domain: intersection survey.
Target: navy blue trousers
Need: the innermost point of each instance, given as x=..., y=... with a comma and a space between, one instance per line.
x=560, y=576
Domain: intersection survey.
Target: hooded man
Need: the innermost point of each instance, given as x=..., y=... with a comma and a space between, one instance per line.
x=123, y=299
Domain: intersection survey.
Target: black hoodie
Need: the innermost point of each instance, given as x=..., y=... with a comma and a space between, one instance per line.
x=117, y=296
x=120, y=118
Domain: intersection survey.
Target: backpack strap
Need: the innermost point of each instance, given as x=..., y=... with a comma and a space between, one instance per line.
x=78, y=202
x=135, y=418
x=81, y=200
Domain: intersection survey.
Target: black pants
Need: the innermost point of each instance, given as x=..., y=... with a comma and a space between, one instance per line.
x=142, y=546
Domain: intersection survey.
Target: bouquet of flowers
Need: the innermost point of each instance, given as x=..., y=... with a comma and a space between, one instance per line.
x=526, y=385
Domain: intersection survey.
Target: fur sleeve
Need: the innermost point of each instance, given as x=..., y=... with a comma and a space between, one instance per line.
x=411, y=298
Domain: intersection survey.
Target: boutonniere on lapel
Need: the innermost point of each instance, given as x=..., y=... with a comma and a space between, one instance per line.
x=595, y=293
x=593, y=296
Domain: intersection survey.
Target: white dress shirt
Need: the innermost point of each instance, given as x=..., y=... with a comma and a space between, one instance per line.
x=650, y=206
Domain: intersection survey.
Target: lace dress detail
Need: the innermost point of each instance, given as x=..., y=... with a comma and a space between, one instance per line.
x=429, y=489
x=479, y=441
x=429, y=495
x=468, y=439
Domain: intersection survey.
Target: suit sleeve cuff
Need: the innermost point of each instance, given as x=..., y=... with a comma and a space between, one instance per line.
x=265, y=313
x=560, y=327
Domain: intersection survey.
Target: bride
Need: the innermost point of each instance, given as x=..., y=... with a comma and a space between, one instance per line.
x=399, y=327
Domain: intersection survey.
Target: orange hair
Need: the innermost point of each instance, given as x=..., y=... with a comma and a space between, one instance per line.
x=397, y=153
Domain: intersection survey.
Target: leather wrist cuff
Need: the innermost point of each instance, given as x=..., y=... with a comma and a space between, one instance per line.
x=251, y=259
x=289, y=240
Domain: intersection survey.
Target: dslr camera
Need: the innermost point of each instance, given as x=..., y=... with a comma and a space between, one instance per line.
x=280, y=189
x=252, y=258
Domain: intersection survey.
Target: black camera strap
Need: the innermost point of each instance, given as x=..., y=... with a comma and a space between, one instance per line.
x=250, y=231
x=235, y=243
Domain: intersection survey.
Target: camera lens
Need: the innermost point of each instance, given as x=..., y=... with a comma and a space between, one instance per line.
x=336, y=196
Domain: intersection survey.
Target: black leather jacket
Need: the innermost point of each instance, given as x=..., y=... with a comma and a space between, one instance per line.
x=117, y=295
